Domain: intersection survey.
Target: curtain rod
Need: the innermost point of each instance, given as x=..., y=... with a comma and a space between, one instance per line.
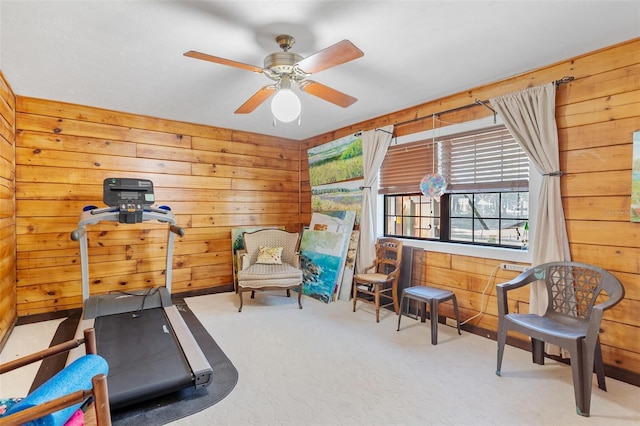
x=484, y=103
x=384, y=131
x=356, y=134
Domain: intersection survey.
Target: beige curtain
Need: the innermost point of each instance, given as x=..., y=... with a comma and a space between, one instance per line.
x=374, y=148
x=530, y=117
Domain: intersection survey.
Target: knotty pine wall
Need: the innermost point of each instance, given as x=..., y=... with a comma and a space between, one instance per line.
x=596, y=116
x=213, y=179
x=210, y=179
x=7, y=210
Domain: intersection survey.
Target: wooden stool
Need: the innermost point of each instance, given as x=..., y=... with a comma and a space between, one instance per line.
x=432, y=296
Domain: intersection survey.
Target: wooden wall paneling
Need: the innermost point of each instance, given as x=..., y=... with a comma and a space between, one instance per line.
x=610, y=233
x=8, y=301
x=606, y=158
x=622, y=359
x=115, y=118
x=613, y=107
x=596, y=183
x=622, y=80
x=596, y=115
x=213, y=180
x=608, y=208
x=604, y=133
x=61, y=145
x=613, y=258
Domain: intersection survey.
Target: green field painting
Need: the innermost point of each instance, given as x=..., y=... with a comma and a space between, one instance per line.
x=336, y=161
x=338, y=196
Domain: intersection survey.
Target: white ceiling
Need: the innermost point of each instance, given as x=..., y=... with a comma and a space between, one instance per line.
x=128, y=55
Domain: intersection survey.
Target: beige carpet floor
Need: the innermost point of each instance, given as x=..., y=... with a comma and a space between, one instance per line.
x=325, y=365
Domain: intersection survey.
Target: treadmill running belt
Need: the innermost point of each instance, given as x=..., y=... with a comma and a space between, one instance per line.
x=145, y=359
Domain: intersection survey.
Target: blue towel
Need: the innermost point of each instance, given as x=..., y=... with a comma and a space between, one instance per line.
x=76, y=376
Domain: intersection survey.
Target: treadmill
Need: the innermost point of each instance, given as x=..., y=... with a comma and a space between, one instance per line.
x=141, y=334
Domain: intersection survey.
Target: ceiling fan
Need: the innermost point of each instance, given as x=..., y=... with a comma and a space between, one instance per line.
x=287, y=68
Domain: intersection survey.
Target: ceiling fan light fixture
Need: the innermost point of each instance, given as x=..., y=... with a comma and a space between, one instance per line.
x=285, y=105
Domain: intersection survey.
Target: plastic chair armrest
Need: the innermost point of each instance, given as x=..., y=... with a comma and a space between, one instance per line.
x=525, y=278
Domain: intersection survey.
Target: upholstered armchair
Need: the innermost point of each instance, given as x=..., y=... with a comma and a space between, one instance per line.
x=269, y=261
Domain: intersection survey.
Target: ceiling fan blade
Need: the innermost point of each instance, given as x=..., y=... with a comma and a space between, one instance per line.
x=254, y=101
x=339, y=53
x=327, y=93
x=223, y=61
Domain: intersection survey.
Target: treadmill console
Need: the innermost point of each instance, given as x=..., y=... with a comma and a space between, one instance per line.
x=129, y=196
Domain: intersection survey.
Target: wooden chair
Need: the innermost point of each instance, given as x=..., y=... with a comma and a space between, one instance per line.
x=269, y=261
x=382, y=281
x=98, y=392
x=578, y=294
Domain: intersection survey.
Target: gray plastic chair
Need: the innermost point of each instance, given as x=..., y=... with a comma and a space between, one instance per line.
x=572, y=320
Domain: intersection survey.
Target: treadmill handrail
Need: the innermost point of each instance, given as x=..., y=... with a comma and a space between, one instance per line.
x=109, y=214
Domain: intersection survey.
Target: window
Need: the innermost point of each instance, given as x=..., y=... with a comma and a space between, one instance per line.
x=414, y=216
x=487, y=196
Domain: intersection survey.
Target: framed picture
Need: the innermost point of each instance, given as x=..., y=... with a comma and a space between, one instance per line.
x=336, y=161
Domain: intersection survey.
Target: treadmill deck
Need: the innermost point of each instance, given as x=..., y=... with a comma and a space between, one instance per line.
x=144, y=358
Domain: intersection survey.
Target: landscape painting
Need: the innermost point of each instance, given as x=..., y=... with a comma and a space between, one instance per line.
x=321, y=258
x=635, y=179
x=338, y=196
x=336, y=221
x=345, y=288
x=336, y=161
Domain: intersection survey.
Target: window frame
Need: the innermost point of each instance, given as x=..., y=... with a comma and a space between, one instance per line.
x=478, y=250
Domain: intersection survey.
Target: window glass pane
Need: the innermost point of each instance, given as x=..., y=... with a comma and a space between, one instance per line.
x=511, y=232
x=393, y=226
x=430, y=228
x=461, y=229
x=515, y=205
x=389, y=204
x=398, y=207
x=498, y=218
x=486, y=205
x=414, y=216
x=408, y=216
x=486, y=231
x=461, y=205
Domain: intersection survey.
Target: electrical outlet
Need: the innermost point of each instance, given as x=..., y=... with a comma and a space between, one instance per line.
x=512, y=267
x=451, y=322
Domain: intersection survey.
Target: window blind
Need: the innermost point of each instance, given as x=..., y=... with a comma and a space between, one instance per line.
x=476, y=161
x=404, y=166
